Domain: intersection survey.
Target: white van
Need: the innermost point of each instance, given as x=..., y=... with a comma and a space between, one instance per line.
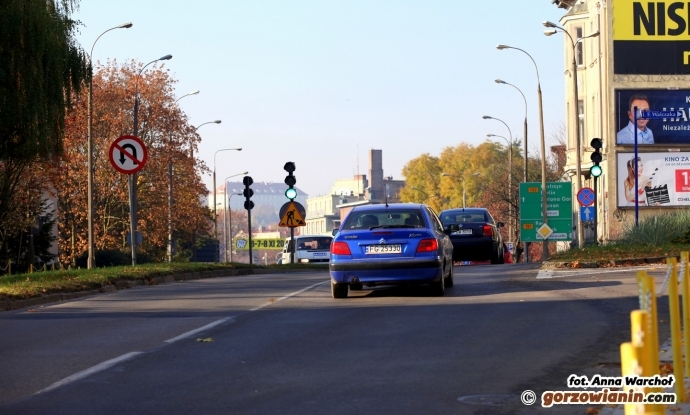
x=308, y=249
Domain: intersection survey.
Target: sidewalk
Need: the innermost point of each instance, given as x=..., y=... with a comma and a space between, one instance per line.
x=665, y=356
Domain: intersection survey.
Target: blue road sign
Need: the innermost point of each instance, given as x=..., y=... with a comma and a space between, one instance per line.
x=587, y=213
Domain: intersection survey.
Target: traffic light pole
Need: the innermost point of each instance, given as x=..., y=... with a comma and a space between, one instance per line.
x=292, y=245
x=596, y=239
x=249, y=225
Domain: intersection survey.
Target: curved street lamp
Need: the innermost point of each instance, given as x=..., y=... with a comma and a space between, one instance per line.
x=215, y=209
x=132, y=178
x=91, y=261
x=228, y=231
x=462, y=178
x=524, y=140
x=170, y=188
x=544, y=217
x=578, y=138
x=510, y=181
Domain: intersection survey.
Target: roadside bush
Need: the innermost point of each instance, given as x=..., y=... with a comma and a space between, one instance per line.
x=657, y=230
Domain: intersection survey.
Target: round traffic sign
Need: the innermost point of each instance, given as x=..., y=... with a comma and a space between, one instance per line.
x=585, y=196
x=128, y=154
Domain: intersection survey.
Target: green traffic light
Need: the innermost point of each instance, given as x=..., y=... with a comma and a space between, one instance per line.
x=595, y=171
x=291, y=193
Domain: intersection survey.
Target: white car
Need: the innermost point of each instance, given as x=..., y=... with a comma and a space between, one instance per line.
x=309, y=249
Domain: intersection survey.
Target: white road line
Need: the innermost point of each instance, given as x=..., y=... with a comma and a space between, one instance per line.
x=90, y=371
x=195, y=331
x=288, y=296
x=546, y=274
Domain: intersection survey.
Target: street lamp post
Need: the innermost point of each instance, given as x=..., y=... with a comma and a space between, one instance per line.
x=215, y=211
x=510, y=173
x=91, y=261
x=578, y=139
x=225, y=218
x=133, y=177
x=524, y=132
x=170, y=188
x=462, y=178
x=510, y=180
x=544, y=217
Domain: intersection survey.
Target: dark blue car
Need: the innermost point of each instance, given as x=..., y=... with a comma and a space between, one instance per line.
x=391, y=245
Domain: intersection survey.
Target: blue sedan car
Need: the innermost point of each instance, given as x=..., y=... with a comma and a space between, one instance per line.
x=391, y=245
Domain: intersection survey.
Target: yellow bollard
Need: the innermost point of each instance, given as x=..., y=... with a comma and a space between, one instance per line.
x=648, y=303
x=630, y=365
x=641, y=339
x=685, y=286
x=676, y=346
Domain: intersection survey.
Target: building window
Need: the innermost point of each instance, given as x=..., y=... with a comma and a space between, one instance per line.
x=581, y=118
x=578, y=46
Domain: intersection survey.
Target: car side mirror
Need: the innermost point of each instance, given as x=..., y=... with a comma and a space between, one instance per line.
x=335, y=231
x=501, y=224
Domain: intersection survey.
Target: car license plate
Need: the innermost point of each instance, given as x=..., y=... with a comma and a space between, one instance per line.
x=383, y=249
x=464, y=232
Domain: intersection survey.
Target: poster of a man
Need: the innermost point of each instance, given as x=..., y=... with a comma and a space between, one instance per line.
x=652, y=132
x=627, y=134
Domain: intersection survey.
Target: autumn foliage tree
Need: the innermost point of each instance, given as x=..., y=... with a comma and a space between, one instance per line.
x=165, y=130
x=483, y=171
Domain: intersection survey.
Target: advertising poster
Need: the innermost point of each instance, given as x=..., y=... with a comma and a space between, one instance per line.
x=662, y=131
x=651, y=37
x=663, y=179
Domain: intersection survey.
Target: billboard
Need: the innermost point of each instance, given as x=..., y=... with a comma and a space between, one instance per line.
x=663, y=179
x=656, y=131
x=651, y=37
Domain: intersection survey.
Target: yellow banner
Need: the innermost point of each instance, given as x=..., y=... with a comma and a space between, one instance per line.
x=651, y=20
x=273, y=243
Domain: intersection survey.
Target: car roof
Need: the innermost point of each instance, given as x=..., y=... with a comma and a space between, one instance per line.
x=390, y=206
x=468, y=210
x=311, y=236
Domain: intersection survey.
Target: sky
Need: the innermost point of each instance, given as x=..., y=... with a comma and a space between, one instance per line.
x=320, y=83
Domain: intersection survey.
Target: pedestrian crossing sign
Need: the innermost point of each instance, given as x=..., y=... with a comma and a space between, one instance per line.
x=292, y=217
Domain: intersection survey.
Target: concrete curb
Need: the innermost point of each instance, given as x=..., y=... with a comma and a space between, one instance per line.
x=624, y=262
x=124, y=284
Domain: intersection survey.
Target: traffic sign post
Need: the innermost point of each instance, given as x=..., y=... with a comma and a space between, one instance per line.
x=585, y=197
x=588, y=214
x=128, y=155
x=559, y=212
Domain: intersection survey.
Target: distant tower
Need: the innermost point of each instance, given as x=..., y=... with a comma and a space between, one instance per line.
x=376, y=174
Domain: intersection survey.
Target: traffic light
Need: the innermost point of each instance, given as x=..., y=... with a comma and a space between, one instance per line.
x=290, y=180
x=596, y=171
x=248, y=204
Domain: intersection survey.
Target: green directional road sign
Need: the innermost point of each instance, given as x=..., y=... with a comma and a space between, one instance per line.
x=559, y=211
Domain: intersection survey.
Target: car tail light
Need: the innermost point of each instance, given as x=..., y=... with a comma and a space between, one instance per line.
x=427, y=245
x=340, y=248
x=488, y=230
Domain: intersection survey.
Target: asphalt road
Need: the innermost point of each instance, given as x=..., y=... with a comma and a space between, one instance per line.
x=281, y=345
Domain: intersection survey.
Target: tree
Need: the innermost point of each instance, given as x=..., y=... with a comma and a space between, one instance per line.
x=40, y=65
x=165, y=130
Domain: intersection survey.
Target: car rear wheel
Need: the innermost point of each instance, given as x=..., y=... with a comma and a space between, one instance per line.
x=449, y=278
x=339, y=290
x=438, y=288
x=495, y=252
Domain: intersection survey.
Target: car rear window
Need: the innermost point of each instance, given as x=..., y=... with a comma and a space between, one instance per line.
x=450, y=218
x=314, y=243
x=366, y=219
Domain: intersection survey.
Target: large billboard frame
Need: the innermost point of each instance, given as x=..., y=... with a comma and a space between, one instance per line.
x=663, y=182
x=654, y=132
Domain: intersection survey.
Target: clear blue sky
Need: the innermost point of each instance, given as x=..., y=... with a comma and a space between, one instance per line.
x=311, y=81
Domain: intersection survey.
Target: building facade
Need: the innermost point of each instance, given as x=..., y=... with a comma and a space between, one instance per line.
x=621, y=55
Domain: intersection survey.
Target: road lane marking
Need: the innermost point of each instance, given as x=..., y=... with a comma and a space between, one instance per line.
x=195, y=331
x=288, y=296
x=546, y=274
x=90, y=371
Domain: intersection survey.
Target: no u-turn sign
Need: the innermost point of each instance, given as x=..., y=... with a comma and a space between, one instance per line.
x=128, y=154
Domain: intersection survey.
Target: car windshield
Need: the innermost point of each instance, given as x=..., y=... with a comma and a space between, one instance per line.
x=312, y=243
x=369, y=219
x=454, y=218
